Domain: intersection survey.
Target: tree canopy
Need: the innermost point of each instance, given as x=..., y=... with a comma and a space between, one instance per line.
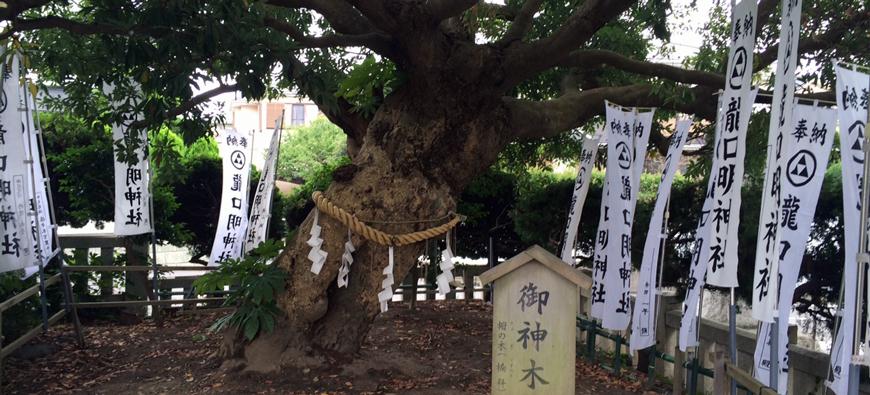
x=430, y=94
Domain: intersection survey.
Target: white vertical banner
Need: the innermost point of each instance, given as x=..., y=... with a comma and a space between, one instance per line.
x=16, y=243
x=261, y=208
x=809, y=142
x=730, y=149
x=581, y=188
x=132, y=181
x=643, y=318
x=852, y=115
x=615, y=118
x=40, y=222
x=699, y=272
x=767, y=247
x=233, y=220
x=617, y=282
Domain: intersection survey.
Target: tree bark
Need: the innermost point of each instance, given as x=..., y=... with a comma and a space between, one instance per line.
x=419, y=152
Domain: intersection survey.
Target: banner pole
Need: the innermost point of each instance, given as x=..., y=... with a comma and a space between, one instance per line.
x=280, y=131
x=69, y=298
x=862, y=258
x=43, y=301
x=732, y=335
x=155, y=308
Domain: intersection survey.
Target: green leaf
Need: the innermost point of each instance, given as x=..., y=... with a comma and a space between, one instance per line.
x=252, y=325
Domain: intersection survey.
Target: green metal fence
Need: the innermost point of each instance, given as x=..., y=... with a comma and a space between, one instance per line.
x=593, y=331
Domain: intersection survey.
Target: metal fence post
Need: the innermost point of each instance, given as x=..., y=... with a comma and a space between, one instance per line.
x=590, y=341
x=679, y=371
x=651, y=370
x=693, y=378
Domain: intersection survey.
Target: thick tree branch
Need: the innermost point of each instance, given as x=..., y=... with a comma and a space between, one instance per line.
x=528, y=59
x=188, y=105
x=820, y=41
x=765, y=11
x=337, y=110
x=340, y=14
x=55, y=22
x=14, y=8
x=533, y=119
x=522, y=22
x=444, y=9
x=589, y=58
x=376, y=41
x=497, y=11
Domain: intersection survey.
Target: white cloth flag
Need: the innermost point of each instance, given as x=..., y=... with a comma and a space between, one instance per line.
x=698, y=272
x=731, y=149
x=261, y=208
x=617, y=305
x=40, y=222
x=852, y=114
x=643, y=318
x=809, y=144
x=16, y=244
x=581, y=188
x=615, y=119
x=626, y=149
x=233, y=220
x=132, y=196
x=767, y=248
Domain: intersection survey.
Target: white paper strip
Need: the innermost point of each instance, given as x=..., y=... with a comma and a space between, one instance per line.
x=730, y=149
x=346, y=262
x=233, y=220
x=317, y=255
x=809, y=144
x=644, y=315
x=386, y=294
x=446, y=276
x=767, y=247
x=261, y=208
x=16, y=243
x=852, y=114
x=581, y=188
x=706, y=222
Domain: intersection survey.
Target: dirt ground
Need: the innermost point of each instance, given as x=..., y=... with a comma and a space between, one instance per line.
x=440, y=348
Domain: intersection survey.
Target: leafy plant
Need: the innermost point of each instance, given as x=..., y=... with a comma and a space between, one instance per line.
x=253, y=283
x=305, y=149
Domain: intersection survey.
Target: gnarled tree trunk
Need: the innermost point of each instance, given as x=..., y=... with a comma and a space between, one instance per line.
x=418, y=153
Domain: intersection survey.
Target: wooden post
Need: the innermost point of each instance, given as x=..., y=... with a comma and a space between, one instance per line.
x=721, y=383
x=617, y=354
x=410, y=294
x=1, y=348
x=468, y=283
x=534, y=335
x=679, y=371
x=71, y=306
x=106, y=279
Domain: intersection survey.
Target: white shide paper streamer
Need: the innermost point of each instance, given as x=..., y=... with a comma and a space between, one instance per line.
x=346, y=261
x=386, y=293
x=446, y=276
x=317, y=255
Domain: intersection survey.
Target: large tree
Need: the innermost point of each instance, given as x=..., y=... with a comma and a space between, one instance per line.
x=428, y=92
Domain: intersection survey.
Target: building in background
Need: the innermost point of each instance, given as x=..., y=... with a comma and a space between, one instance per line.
x=259, y=117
